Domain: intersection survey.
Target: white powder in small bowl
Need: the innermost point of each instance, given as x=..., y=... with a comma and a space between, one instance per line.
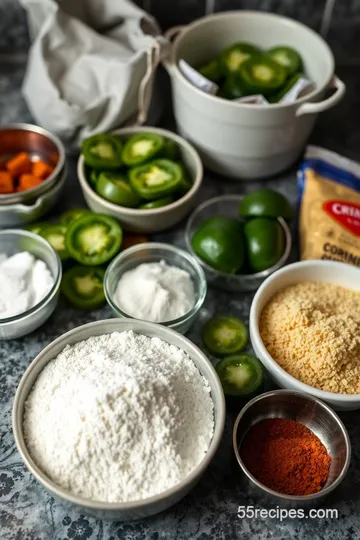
x=119, y=417
x=155, y=292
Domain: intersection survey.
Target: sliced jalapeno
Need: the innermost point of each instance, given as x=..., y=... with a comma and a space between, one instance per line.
x=156, y=179
x=115, y=187
x=55, y=235
x=233, y=57
x=274, y=98
x=83, y=287
x=170, y=150
x=93, y=177
x=212, y=71
x=288, y=58
x=158, y=203
x=102, y=151
x=224, y=335
x=74, y=213
x=36, y=228
x=261, y=75
x=240, y=374
x=231, y=89
x=141, y=148
x=93, y=240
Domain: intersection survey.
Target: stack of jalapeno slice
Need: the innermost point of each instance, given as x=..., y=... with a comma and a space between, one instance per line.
x=149, y=172
x=244, y=70
x=89, y=239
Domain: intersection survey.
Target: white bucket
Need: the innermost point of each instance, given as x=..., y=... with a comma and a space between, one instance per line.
x=242, y=140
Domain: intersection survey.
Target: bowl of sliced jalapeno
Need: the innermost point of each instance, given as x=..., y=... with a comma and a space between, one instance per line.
x=233, y=77
x=147, y=178
x=239, y=241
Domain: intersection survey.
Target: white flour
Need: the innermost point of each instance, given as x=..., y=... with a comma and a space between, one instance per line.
x=119, y=417
x=24, y=281
x=155, y=292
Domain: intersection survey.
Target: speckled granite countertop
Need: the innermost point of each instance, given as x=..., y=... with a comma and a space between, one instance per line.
x=28, y=512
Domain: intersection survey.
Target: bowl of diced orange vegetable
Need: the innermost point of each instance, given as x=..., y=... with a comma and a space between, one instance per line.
x=32, y=172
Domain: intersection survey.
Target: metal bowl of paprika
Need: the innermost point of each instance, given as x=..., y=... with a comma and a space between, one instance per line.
x=293, y=440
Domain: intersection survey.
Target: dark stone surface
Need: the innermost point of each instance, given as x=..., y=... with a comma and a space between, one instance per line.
x=28, y=512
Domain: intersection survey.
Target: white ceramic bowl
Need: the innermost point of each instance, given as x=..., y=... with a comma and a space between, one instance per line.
x=324, y=271
x=241, y=140
x=157, y=219
x=134, y=509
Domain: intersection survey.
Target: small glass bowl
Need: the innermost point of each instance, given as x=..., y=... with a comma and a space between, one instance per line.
x=228, y=205
x=156, y=252
x=14, y=241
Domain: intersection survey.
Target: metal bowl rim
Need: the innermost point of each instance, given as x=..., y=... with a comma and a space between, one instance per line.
x=329, y=411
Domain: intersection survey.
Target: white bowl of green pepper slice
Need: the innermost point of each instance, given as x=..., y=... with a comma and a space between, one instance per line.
x=145, y=177
x=247, y=140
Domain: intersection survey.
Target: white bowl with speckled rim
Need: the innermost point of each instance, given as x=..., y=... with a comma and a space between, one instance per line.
x=337, y=273
x=134, y=509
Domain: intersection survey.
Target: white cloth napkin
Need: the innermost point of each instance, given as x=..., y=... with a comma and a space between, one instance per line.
x=90, y=65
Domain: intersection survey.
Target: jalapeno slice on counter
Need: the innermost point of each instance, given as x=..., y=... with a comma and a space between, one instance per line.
x=240, y=374
x=233, y=57
x=158, y=203
x=141, y=148
x=156, y=179
x=93, y=240
x=74, y=213
x=83, y=287
x=55, y=235
x=288, y=58
x=115, y=188
x=223, y=335
x=261, y=75
x=212, y=71
x=102, y=151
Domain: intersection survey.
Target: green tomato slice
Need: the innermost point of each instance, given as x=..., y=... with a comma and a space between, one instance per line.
x=93, y=239
x=83, y=287
x=102, y=151
x=288, y=58
x=224, y=335
x=74, y=213
x=55, y=235
x=141, y=148
x=115, y=188
x=261, y=75
x=240, y=374
x=234, y=56
x=156, y=179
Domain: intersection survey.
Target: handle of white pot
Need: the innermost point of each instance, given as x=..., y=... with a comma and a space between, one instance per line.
x=320, y=106
x=170, y=35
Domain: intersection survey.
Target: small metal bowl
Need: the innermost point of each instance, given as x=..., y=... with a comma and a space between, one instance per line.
x=38, y=143
x=228, y=205
x=14, y=241
x=155, y=252
x=134, y=509
x=306, y=410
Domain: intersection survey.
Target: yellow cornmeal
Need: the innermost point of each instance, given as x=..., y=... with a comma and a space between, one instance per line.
x=312, y=330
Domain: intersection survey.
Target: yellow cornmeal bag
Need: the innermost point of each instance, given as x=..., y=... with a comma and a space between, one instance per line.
x=329, y=207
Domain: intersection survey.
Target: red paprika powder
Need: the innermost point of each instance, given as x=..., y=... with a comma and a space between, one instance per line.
x=286, y=456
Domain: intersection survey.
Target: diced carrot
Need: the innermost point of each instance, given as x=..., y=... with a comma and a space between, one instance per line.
x=28, y=181
x=20, y=164
x=6, y=182
x=41, y=169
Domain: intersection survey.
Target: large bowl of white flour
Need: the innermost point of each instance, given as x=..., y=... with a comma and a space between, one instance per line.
x=119, y=417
